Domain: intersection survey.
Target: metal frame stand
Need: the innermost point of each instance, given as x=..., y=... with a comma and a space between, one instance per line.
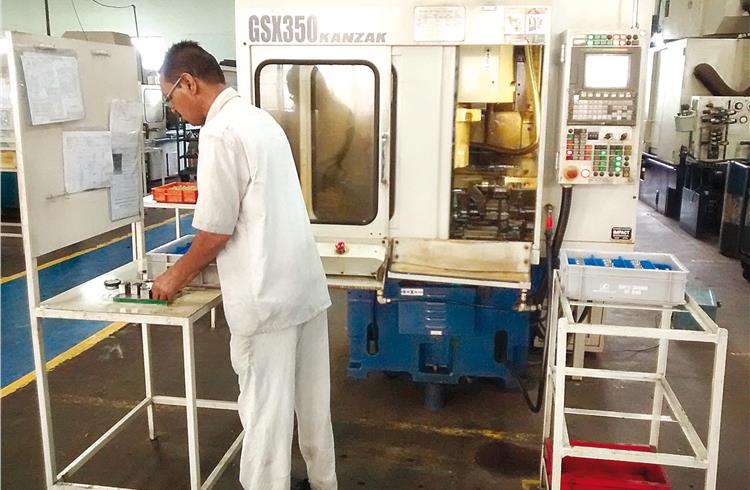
x=705, y=456
x=191, y=402
x=75, y=304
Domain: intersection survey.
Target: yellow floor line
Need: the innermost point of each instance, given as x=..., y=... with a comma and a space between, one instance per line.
x=81, y=252
x=530, y=484
x=65, y=356
x=450, y=431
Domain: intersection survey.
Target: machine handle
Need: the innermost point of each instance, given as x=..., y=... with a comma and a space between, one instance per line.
x=383, y=146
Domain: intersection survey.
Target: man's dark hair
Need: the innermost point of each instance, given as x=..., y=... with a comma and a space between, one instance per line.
x=190, y=57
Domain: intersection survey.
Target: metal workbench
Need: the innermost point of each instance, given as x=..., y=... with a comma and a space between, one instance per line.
x=90, y=301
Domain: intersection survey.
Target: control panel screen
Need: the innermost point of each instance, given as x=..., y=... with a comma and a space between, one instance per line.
x=607, y=71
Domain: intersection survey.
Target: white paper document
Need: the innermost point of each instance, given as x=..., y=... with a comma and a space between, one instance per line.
x=53, y=87
x=125, y=116
x=87, y=160
x=6, y=109
x=125, y=191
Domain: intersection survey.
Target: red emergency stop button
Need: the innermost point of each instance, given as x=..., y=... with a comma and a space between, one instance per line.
x=571, y=173
x=341, y=248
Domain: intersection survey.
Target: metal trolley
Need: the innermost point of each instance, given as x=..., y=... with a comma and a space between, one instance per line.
x=705, y=456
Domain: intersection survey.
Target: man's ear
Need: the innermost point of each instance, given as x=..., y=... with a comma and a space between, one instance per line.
x=191, y=83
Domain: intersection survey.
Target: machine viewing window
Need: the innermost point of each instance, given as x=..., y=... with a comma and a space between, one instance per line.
x=329, y=113
x=607, y=71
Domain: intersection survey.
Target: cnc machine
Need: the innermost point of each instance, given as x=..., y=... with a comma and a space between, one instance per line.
x=419, y=137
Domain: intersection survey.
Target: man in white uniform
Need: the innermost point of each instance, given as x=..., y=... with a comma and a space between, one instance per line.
x=252, y=219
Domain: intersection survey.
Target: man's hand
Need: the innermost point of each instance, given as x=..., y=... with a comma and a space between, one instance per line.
x=205, y=247
x=167, y=285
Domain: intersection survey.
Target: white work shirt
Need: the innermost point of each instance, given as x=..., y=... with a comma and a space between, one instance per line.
x=270, y=270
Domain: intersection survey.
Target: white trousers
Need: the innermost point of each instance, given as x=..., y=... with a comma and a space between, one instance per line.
x=281, y=373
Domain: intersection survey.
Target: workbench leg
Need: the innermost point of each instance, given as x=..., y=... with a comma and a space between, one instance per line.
x=191, y=405
x=579, y=351
x=551, y=346
x=146, y=337
x=134, y=240
x=714, y=417
x=661, y=369
x=213, y=318
x=139, y=240
x=558, y=428
x=178, y=232
x=42, y=393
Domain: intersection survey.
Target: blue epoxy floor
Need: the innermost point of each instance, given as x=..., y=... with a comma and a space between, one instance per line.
x=16, y=357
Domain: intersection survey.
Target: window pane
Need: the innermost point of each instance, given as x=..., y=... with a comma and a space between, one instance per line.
x=328, y=112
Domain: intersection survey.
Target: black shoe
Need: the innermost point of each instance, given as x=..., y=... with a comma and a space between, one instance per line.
x=302, y=485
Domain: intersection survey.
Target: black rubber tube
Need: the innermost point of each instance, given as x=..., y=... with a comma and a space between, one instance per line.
x=553, y=251
x=562, y=225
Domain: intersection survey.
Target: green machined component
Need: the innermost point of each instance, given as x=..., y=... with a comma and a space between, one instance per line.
x=121, y=298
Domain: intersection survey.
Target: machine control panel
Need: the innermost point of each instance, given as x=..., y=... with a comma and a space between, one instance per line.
x=600, y=155
x=602, y=105
x=600, y=108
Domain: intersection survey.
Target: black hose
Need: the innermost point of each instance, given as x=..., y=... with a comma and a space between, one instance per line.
x=562, y=226
x=553, y=251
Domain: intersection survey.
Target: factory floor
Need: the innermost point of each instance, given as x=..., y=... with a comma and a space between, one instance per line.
x=484, y=438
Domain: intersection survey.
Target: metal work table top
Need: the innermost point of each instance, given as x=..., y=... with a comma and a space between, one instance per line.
x=91, y=301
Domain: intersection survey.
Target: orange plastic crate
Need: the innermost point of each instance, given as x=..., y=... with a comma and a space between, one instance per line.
x=176, y=192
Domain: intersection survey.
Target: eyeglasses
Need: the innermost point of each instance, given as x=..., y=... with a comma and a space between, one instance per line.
x=167, y=99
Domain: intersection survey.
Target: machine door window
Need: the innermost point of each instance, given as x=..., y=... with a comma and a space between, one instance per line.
x=329, y=112
x=334, y=104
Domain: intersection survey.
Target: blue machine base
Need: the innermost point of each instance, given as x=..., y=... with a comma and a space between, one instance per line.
x=438, y=333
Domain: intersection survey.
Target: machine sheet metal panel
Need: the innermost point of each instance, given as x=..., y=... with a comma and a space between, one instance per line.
x=391, y=22
x=462, y=261
x=331, y=33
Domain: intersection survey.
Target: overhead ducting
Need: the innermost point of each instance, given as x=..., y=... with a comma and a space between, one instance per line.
x=714, y=83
